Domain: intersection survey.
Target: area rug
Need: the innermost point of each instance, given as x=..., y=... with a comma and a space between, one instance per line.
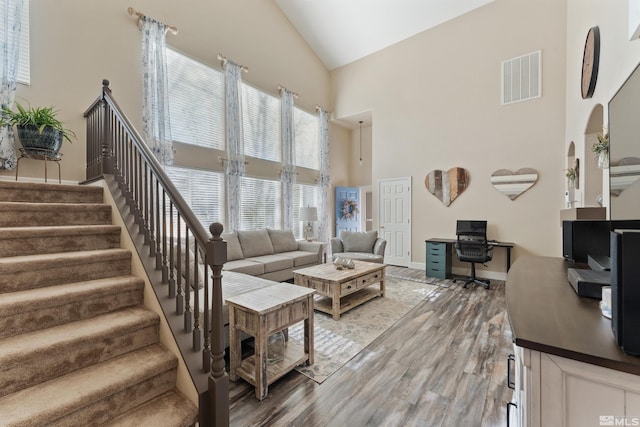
x=337, y=342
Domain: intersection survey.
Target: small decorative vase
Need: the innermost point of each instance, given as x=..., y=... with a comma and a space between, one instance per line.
x=275, y=348
x=338, y=263
x=603, y=160
x=349, y=264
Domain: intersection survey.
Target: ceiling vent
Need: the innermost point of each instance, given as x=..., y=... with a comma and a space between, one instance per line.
x=521, y=78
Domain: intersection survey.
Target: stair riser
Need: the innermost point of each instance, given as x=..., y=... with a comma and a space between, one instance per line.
x=46, y=274
x=96, y=413
x=55, y=244
x=90, y=215
x=27, y=321
x=47, y=193
x=36, y=367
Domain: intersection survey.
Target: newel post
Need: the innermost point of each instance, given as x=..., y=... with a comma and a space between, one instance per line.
x=218, y=379
x=108, y=163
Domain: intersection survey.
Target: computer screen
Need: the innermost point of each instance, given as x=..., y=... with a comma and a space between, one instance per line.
x=471, y=227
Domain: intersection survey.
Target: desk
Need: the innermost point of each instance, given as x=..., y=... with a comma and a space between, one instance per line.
x=439, y=263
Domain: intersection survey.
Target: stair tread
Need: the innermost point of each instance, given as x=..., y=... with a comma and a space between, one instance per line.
x=58, y=337
x=56, y=230
x=61, y=257
x=169, y=409
x=55, y=398
x=11, y=206
x=37, y=298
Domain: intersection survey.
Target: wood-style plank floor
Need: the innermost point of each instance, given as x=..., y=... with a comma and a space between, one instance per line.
x=443, y=364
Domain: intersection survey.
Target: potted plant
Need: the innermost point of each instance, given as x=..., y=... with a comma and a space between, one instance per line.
x=39, y=130
x=571, y=175
x=601, y=148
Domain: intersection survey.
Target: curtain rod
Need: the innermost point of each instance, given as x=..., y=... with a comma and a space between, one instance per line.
x=141, y=16
x=222, y=58
x=281, y=88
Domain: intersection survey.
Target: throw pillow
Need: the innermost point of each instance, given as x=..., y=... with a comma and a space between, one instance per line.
x=283, y=240
x=357, y=241
x=255, y=243
x=234, y=250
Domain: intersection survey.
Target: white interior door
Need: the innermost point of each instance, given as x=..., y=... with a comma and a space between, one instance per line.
x=394, y=207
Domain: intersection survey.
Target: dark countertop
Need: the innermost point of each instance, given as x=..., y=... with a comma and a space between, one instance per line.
x=547, y=315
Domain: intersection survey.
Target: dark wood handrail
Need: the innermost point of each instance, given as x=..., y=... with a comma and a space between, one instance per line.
x=177, y=243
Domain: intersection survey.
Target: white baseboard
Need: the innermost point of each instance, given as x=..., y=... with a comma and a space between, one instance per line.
x=462, y=271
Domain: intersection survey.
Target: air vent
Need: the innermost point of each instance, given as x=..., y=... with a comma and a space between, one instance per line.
x=521, y=78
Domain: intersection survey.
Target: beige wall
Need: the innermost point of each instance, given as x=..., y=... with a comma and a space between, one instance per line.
x=75, y=44
x=435, y=102
x=618, y=58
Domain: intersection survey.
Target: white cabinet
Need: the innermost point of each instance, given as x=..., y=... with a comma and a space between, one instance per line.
x=555, y=391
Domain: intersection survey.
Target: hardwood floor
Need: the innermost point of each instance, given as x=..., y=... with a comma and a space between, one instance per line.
x=443, y=364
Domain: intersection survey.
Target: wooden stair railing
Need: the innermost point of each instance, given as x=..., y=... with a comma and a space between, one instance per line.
x=176, y=242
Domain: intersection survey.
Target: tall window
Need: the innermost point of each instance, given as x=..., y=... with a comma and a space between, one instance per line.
x=260, y=203
x=306, y=129
x=24, y=62
x=196, y=92
x=202, y=190
x=303, y=195
x=261, y=124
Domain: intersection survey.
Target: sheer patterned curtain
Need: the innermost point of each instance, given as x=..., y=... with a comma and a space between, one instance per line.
x=288, y=173
x=324, y=182
x=156, y=125
x=11, y=15
x=235, y=141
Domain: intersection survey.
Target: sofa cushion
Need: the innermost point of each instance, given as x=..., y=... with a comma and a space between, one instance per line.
x=360, y=256
x=282, y=240
x=234, y=250
x=245, y=266
x=255, y=243
x=273, y=262
x=357, y=241
x=301, y=258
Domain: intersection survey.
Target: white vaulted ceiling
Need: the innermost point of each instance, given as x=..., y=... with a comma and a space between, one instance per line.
x=342, y=31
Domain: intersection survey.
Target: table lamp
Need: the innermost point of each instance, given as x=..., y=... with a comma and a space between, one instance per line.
x=308, y=214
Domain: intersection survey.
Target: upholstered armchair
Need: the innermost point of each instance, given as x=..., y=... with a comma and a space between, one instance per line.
x=357, y=245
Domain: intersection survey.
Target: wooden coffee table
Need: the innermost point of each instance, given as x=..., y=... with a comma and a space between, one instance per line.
x=261, y=313
x=343, y=289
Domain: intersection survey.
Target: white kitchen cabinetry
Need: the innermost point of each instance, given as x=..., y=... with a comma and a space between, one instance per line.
x=555, y=391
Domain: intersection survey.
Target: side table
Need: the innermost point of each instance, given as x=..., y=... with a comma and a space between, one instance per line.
x=260, y=314
x=40, y=154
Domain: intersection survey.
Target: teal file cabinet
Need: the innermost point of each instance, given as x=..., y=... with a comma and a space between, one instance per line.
x=438, y=259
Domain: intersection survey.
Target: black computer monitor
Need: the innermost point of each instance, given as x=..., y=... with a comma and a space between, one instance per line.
x=464, y=226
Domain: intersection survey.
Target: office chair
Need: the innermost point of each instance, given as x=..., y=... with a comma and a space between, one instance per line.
x=472, y=246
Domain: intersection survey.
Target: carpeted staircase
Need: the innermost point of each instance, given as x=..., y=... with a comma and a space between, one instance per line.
x=77, y=345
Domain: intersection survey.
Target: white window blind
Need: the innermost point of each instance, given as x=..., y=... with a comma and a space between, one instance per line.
x=261, y=124
x=196, y=93
x=24, y=67
x=202, y=190
x=306, y=131
x=259, y=203
x=303, y=195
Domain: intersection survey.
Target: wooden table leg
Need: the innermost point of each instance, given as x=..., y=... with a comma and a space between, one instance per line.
x=382, y=286
x=335, y=301
x=235, y=352
x=308, y=331
x=262, y=384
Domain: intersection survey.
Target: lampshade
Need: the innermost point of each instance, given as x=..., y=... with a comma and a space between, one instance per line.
x=308, y=213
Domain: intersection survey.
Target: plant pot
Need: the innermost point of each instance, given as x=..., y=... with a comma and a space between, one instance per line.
x=48, y=142
x=603, y=159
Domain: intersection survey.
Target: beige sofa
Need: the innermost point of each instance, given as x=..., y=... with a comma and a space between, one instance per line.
x=269, y=254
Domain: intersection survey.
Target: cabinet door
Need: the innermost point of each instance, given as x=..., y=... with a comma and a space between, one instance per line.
x=576, y=394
